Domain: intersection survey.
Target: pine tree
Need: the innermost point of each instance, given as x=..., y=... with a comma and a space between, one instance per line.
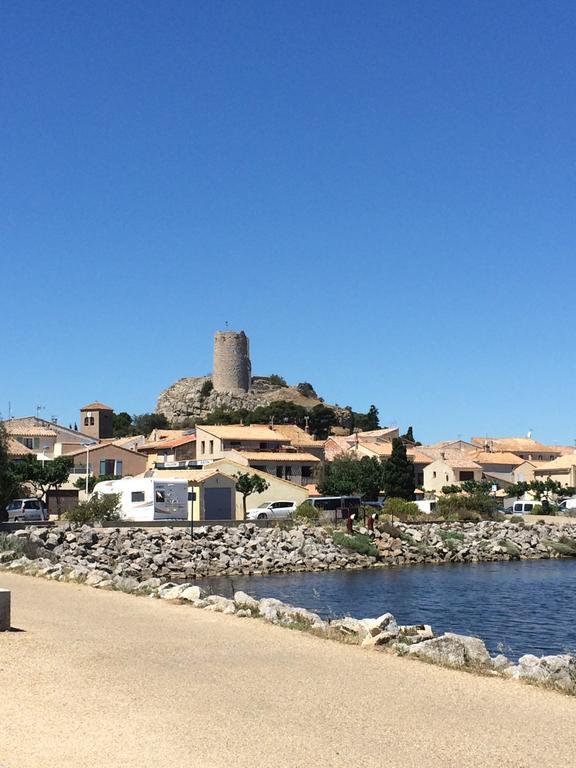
x=399, y=473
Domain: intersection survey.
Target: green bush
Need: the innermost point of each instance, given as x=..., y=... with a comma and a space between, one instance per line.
x=306, y=513
x=358, y=543
x=100, y=508
x=467, y=508
x=400, y=508
x=11, y=544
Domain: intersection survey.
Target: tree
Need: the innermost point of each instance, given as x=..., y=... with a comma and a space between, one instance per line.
x=349, y=476
x=322, y=419
x=206, y=388
x=398, y=477
x=9, y=481
x=145, y=423
x=339, y=477
x=247, y=484
x=366, y=422
x=122, y=424
x=370, y=477
x=43, y=476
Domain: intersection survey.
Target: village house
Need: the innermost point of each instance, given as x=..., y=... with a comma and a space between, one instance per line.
x=258, y=447
x=562, y=470
x=450, y=470
x=524, y=447
x=107, y=459
x=170, y=452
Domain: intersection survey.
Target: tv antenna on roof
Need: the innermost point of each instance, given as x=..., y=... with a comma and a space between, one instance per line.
x=38, y=409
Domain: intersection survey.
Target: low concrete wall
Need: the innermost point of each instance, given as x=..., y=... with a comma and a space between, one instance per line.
x=4, y=610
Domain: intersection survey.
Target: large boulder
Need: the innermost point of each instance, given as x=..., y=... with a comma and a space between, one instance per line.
x=558, y=671
x=452, y=650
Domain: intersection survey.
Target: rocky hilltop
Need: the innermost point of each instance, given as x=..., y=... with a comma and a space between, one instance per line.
x=188, y=399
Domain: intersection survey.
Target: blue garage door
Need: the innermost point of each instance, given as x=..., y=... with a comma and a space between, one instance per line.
x=217, y=504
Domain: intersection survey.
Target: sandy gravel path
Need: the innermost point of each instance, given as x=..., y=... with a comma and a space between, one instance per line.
x=109, y=680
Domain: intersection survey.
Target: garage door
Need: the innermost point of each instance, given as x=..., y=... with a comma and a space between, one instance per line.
x=217, y=504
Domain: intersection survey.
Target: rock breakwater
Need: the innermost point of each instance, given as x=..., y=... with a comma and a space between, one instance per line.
x=170, y=554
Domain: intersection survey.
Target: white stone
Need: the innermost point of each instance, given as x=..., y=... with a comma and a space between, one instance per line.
x=245, y=601
x=193, y=593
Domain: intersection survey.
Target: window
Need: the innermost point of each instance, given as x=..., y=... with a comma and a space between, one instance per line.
x=263, y=446
x=137, y=495
x=259, y=467
x=211, y=446
x=288, y=473
x=306, y=471
x=191, y=496
x=466, y=475
x=433, y=474
x=107, y=467
x=28, y=442
x=278, y=471
x=203, y=446
x=88, y=421
x=528, y=507
x=118, y=468
x=235, y=444
x=31, y=505
x=160, y=496
x=36, y=443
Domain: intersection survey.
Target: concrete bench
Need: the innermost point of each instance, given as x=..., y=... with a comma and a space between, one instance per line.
x=4, y=609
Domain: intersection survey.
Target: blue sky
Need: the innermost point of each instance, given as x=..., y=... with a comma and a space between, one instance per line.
x=380, y=193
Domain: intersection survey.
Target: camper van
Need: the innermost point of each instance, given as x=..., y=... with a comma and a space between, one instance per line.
x=149, y=498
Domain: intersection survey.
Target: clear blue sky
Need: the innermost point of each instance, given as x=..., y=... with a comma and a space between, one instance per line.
x=381, y=193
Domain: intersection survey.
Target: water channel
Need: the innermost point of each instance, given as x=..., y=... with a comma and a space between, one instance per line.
x=515, y=607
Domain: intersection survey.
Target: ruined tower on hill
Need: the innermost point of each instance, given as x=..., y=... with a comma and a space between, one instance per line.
x=232, y=370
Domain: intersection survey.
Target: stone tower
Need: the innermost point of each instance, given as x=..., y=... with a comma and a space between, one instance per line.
x=232, y=371
x=97, y=421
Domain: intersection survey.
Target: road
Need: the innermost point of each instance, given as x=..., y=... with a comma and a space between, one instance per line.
x=108, y=680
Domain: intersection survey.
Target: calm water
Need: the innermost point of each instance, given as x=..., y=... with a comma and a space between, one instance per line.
x=515, y=607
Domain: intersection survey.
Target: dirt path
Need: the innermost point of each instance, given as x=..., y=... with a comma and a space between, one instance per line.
x=109, y=680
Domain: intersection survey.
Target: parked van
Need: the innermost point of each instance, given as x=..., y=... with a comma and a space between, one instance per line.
x=524, y=507
x=341, y=506
x=568, y=506
x=32, y=510
x=149, y=498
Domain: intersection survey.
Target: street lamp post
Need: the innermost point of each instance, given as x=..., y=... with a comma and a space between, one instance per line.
x=87, y=446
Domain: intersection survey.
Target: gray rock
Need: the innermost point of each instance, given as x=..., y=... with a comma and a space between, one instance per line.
x=452, y=650
x=350, y=627
x=193, y=593
x=558, y=671
x=244, y=601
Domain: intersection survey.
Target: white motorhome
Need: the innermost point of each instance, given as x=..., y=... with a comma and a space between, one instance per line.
x=149, y=498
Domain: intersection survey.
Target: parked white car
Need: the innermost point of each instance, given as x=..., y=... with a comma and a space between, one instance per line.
x=26, y=510
x=271, y=510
